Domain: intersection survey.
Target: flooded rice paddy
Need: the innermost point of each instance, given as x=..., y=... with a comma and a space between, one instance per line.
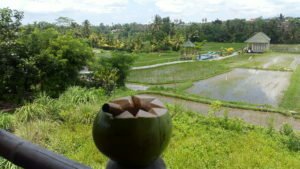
x=278, y=61
x=245, y=85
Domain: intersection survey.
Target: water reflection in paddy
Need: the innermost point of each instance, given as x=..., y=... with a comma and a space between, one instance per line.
x=245, y=85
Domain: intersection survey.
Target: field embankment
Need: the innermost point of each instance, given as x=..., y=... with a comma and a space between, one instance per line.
x=64, y=125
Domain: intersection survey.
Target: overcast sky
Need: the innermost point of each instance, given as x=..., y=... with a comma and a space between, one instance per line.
x=142, y=11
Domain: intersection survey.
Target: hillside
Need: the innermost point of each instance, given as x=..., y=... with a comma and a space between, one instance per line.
x=63, y=125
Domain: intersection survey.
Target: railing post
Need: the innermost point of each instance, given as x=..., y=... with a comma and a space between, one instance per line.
x=29, y=156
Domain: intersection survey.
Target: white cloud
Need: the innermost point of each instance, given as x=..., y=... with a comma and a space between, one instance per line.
x=130, y=10
x=225, y=8
x=143, y=2
x=48, y=6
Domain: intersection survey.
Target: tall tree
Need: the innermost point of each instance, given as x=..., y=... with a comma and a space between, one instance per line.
x=86, y=28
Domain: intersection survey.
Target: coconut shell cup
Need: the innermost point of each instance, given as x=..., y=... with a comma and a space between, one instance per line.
x=133, y=131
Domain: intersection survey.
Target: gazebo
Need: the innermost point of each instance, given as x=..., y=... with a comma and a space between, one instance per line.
x=258, y=43
x=188, y=50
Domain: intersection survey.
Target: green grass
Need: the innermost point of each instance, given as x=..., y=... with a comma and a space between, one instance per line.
x=178, y=72
x=287, y=48
x=194, y=71
x=181, y=94
x=143, y=59
x=217, y=46
x=291, y=98
x=197, y=141
x=271, y=61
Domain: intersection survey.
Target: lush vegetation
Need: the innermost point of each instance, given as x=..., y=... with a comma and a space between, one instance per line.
x=217, y=46
x=291, y=99
x=178, y=91
x=165, y=34
x=184, y=72
x=40, y=61
x=178, y=73
x=285, y=48
x=37, y=60
x=45, y=59
x=64, y=125
x=144, y=59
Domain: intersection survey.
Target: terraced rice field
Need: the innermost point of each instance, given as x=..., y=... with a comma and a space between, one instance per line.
x=245, y=85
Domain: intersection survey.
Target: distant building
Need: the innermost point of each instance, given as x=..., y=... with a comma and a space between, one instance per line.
x=188, y=50
x=258, y=43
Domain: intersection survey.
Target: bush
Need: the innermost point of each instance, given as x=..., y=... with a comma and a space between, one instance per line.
x=214, y=108
x=6, y=121
x=293, y=142
x=43, y=108
x=78, y=95
x=120, y=62
x=286, y=129
x=31, y=112
x=84, y=114
x=106, y=79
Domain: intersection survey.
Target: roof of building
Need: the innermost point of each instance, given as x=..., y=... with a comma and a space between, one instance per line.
x=259, y=37
x=188, y=44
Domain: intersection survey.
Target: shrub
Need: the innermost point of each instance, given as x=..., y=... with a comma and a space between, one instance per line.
x=78, y=95
x=84, y=114
x=286, y=129
x=214, y=108
x=31, y=112
x=41, y=109
x=122, y=63
x=293, y=142
x=6, y=121
x=106, y=79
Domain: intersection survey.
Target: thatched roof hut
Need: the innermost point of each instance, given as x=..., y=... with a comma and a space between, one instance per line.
x=188, y=50
x=188, y=44
x=259, y=42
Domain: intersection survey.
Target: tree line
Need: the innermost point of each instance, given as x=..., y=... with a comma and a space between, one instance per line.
x=166, y=34
x=45, y=58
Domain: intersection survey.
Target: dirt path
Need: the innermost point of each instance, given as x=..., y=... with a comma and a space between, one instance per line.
x=250, y=116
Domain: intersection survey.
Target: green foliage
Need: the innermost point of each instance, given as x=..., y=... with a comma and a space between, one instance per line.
x=38, y=110
x=293, y=142
x=143, y=59
x=13, y=63
x=286, y=129
x=6, y=121
x=292, y=138
x=7, y=165
x=42, y=58
x=120, y=62
x=270, y=128
x=77, y=95
x=291, y=98
x=178, y=72
x=214, y=108
x=206, y=142
x=61, y=62
x=10, y=21
x=106, y=79
x=197, y=141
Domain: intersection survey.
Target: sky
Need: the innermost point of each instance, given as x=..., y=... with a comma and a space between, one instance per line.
x=143, y=11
